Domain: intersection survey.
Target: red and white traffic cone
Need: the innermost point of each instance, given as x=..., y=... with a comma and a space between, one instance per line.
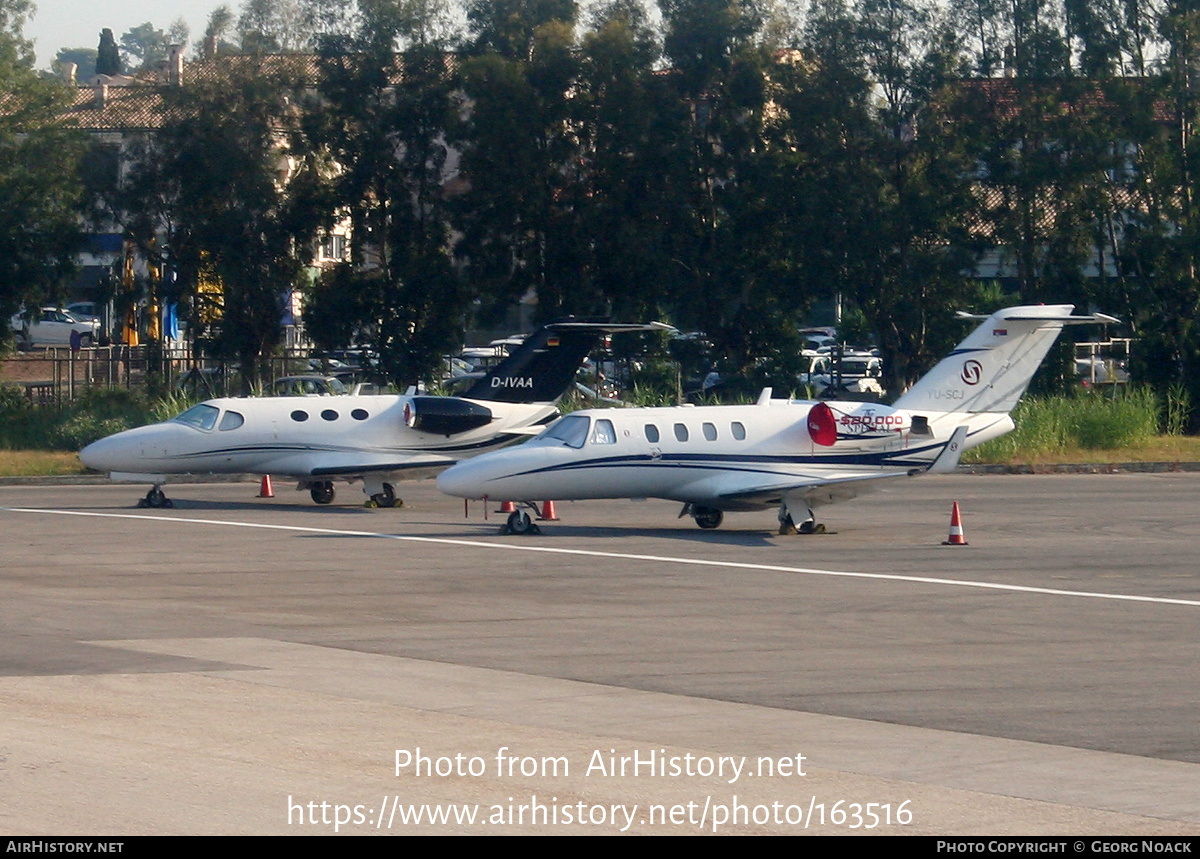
x=956, y=529
x=548, y=514
x=508, y=507
x=264, y=489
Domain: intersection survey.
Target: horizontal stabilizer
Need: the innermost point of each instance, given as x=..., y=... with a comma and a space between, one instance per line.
x=947, y=460
x=990, y=370
x=1091, y=319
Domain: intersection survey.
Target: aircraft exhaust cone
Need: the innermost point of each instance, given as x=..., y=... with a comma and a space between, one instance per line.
x=264, y=489
x=956, y=528
x=822, y=425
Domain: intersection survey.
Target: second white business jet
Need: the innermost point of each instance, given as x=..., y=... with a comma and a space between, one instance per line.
x=792, y=455
x=375, y=439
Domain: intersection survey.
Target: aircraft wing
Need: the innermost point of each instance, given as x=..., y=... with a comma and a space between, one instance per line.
x=350, y=462
x=821, y=490
x=828, y=490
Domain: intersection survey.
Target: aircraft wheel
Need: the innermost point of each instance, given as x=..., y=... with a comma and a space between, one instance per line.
x=157, y=498
x=520, y=523
x=707, y=517
x=387, y=498
x=322, y=492
x=787, y=526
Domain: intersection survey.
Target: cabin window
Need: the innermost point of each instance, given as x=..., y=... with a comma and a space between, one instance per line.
x=329, y=415
x=359, y=414
x=710, y=431
x=651, y=433
x=681, y=432
x=201, y=417
x=739, y=431
x=231, y=421
x=300, y=416
x=604, y=433
x=571, y=430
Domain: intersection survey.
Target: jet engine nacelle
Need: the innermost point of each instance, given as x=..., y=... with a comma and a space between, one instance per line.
x=831, y=422
x=445, y=415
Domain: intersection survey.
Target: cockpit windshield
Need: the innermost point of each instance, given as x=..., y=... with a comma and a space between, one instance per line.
x=571, y=431
x=202, y=417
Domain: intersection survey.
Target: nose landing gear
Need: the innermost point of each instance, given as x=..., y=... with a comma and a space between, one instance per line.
x=155, y=499
x=520, y=522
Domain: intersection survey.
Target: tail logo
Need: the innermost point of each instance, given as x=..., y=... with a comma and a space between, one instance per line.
x=972, y=372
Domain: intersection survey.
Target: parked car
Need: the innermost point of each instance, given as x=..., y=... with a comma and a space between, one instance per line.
x=308, y=386
x=860, y=373
x=84, y=311
x=53, y=326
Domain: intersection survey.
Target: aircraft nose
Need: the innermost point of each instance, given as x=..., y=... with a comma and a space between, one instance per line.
x=99, y=454
x=121, y=451
x=461, y=481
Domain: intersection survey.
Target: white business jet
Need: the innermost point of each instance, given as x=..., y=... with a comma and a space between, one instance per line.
x=375, y=439
x=793, y=455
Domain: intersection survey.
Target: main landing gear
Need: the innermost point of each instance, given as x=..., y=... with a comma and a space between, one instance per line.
x=787, y=524
x=710, y=517
x=386, y=497
x=321, y=491
x=156, y=499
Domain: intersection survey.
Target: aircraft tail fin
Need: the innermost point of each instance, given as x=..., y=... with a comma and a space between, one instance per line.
x=990, y=370
x=543, y=367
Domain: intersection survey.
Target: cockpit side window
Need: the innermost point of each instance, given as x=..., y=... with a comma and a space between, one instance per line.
x=202, y=417
x=571, y=430
x=604, y=432
x=230, y=421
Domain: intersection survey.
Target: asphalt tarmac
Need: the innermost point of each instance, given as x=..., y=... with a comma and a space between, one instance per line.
x=245, y=665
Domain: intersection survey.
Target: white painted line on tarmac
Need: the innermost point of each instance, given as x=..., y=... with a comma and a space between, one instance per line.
x=625, y=556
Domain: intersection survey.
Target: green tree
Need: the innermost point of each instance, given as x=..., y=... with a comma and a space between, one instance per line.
x=510, y=27
x=521, y=158
x=144, y=46
x=627, y=117
x=39, y=230
x=384, y=123
x=1160, y=247
x=108, y=57
x=223, y=194
x=732, y=270
x=274, y=26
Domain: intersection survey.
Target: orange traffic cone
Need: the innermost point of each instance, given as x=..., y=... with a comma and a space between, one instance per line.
x=956, y=529
x=508, y=507
x=548, y=514
x=264, y=489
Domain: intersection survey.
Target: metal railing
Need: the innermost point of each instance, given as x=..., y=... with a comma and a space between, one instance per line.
x=56, y=376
